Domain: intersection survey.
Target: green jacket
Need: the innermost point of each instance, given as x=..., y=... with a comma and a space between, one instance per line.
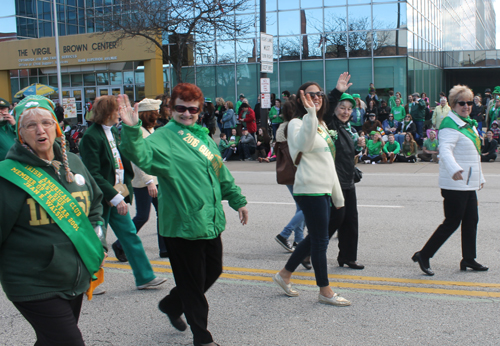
x=98, y=157
x=237, y=107
x=374, y=148
x=223, y=145
x=37, y=259
x=393, y=148
x=274, y=112
x=392, y=102
x=7, y=137
x=417, y=110
x=190, y=194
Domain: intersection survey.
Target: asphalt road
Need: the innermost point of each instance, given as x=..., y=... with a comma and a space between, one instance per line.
x=393, y=303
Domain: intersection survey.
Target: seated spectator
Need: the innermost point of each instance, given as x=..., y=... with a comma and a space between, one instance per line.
x=495, y=129
x=234, y=140
x=406, y=126
x=224, y=147
x=371, y=124
x=373, y=151
x=263, y=141
x=372, y=108
x=408, y=152
x=247, y=145
x=430, y=148
x=271, y=156
x=391, y=148
x=383, y=111
x=489, y=148
x=398, y=111
x=390, y=125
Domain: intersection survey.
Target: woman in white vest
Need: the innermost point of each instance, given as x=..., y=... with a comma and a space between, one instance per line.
x=460, y=176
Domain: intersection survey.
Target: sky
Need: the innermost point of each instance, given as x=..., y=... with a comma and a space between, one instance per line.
x=9, y=24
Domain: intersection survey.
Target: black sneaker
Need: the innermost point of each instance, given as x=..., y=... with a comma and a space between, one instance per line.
x=284, y=243
x=119, y=253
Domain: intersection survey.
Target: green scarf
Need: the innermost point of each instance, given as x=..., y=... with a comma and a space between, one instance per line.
x=197, y=130
x=468, y=130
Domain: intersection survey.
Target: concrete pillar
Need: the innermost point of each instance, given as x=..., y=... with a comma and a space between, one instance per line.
x=5, y=89
x=153, y=75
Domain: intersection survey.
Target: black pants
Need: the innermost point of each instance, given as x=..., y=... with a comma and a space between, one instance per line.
x=402, y=158
x=487, y=158
x=55, y=321
x=345, y=220
x=459, y=207
x=246, y=151
x=196, y=265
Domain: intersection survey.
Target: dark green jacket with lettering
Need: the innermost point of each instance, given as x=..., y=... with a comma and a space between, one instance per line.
x=37, y=259
x=98, y=157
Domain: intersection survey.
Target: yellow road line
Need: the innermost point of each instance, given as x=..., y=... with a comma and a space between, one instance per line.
x=334, y=284
x=361, y=278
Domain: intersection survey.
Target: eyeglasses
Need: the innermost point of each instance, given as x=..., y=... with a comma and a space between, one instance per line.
x=46, y=124
x=182, y=109
x=463, y=103
x=319, y=94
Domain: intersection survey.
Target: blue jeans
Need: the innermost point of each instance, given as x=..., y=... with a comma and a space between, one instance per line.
x=316, y=211
x=420, y=127
x=400, y=139
x=143, y=203
x=296, y=224
x=275, y=128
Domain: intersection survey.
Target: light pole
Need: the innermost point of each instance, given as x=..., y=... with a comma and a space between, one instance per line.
x=264, y=112
x=58, y=58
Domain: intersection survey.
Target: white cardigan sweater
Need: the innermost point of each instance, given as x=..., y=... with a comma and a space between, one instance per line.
x=316, y=172
x=458, y=153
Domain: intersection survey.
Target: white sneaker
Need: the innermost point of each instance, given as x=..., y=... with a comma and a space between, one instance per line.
x=367, y=162
x=153, y=283
x=224, y=160
x=374, y=163
x=335, y=300
x=99, y=290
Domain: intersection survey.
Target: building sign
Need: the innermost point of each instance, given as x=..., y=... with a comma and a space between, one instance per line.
x=74, y=50
x=266, y=67
x=69, y=105
x=265, y=101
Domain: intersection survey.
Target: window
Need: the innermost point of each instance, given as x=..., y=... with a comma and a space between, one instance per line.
x=289, y=23
x=76, y=80
x=360, y=43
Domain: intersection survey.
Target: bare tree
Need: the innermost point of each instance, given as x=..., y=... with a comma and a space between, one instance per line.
x=177, y=26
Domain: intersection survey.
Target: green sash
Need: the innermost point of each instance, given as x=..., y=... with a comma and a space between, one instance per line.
x=197, y=145
x=326, y=136
x=61, y=207
x=467, y=130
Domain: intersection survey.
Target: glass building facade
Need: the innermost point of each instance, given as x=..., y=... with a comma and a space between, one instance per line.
x=400, y=45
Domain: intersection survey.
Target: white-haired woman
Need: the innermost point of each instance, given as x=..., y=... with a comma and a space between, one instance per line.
x=460, y=176
x=48, y=243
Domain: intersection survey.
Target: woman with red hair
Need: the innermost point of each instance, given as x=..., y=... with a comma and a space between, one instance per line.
x=192, y=184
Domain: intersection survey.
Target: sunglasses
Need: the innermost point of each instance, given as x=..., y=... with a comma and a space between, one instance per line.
x=463, y=103
x=182, y=109
x=319, y=94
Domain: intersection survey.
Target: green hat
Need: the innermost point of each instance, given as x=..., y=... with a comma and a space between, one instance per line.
x=347, y=97
x=208, y=100
x=4, y=103
x=496, y=90
x=356, y=96
x=35, y=101
x=373, y=133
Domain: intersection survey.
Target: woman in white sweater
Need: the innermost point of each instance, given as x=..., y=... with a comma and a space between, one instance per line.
x=460, y=176
x=316, y=185
x=145, y=185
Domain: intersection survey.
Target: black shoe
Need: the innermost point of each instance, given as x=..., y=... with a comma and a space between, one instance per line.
x=423, y=263
x=284, y=243
x=176, y=322
x=350, y=264
x=294, y=245
x=472, y=264
x=119, y=253
x=163, y=254
x=307, y=263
